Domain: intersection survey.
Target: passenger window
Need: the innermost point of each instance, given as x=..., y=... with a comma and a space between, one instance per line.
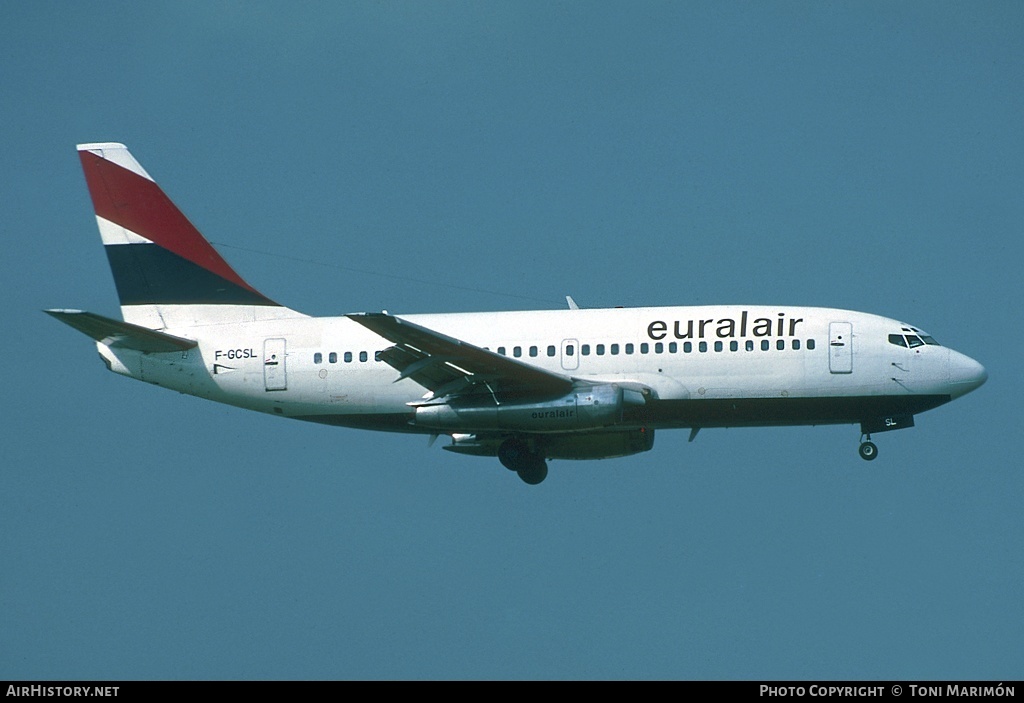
x=362, y=356
x=645, y=348
x=629, y=348
x=615, y=349
x=810, y=344
x=377, y=355
x=780, y=344
x=718, y=346
x=585, y=349
x=569, y=350
x=734, y=345
x=348, y=357
x=318, y=358
x=533, y=351
x=796, y=344
x=673, y=347
x=333, y=357
x=687, y=347
x=551, y=350
x=703, y=346
x=765, y=345
x=600, y=350
x=517, y=352
x=898, y=340
x=501, y=350
x=750, y=345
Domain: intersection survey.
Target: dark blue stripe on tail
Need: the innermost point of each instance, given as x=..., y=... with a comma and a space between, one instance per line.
x=147, y=274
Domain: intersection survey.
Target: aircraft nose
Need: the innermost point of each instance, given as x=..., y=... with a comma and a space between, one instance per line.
x=965, y=374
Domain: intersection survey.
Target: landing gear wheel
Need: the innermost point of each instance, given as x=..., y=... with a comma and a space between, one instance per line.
x=535, y=472
x=513, y=454
x=868, y=451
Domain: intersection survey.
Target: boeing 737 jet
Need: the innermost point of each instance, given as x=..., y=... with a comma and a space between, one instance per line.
x=523, y=386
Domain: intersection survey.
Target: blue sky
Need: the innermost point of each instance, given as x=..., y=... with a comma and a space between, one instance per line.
x=449, y=156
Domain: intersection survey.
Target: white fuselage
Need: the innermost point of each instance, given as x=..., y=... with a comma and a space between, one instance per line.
x=716, y=358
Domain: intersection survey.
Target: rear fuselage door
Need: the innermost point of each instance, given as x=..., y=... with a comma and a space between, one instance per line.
x=840, y=347
x=274, y=373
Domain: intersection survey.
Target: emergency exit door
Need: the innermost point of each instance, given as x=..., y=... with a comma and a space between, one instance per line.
x=570, y=354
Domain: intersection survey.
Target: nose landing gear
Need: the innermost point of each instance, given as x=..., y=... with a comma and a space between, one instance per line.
x=867, y=450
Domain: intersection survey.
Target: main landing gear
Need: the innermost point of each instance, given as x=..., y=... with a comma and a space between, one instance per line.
x=867, y=450
x=516, y=455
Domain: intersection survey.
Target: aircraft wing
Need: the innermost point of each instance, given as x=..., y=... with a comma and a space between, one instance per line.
x=447, y=366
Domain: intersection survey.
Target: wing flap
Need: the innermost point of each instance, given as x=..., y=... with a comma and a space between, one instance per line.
x=445, y=365
x=428, y=371
x=115, y=333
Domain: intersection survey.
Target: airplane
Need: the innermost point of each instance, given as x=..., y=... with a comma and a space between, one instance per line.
x=522, y=386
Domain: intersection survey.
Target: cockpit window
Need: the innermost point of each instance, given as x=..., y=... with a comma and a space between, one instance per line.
x=912, y=340
x=912, y=337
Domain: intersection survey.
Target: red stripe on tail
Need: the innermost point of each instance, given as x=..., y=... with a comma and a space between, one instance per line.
x=137, y=203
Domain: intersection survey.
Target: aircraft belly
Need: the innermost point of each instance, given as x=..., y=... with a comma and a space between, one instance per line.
x=379, y=421
x=759, y=412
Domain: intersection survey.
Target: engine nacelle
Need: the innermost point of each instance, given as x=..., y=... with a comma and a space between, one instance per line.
x=586, y=408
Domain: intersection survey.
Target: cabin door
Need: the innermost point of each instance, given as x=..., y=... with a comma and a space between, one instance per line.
x=274, y=373
x=840, y=347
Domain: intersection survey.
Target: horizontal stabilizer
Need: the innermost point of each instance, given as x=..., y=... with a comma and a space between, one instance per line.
x=115, y=333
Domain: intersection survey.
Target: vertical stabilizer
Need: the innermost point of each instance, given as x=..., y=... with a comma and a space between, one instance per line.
x=166, y=273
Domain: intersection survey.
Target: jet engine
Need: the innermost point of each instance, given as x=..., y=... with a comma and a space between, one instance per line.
x=586, y=408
